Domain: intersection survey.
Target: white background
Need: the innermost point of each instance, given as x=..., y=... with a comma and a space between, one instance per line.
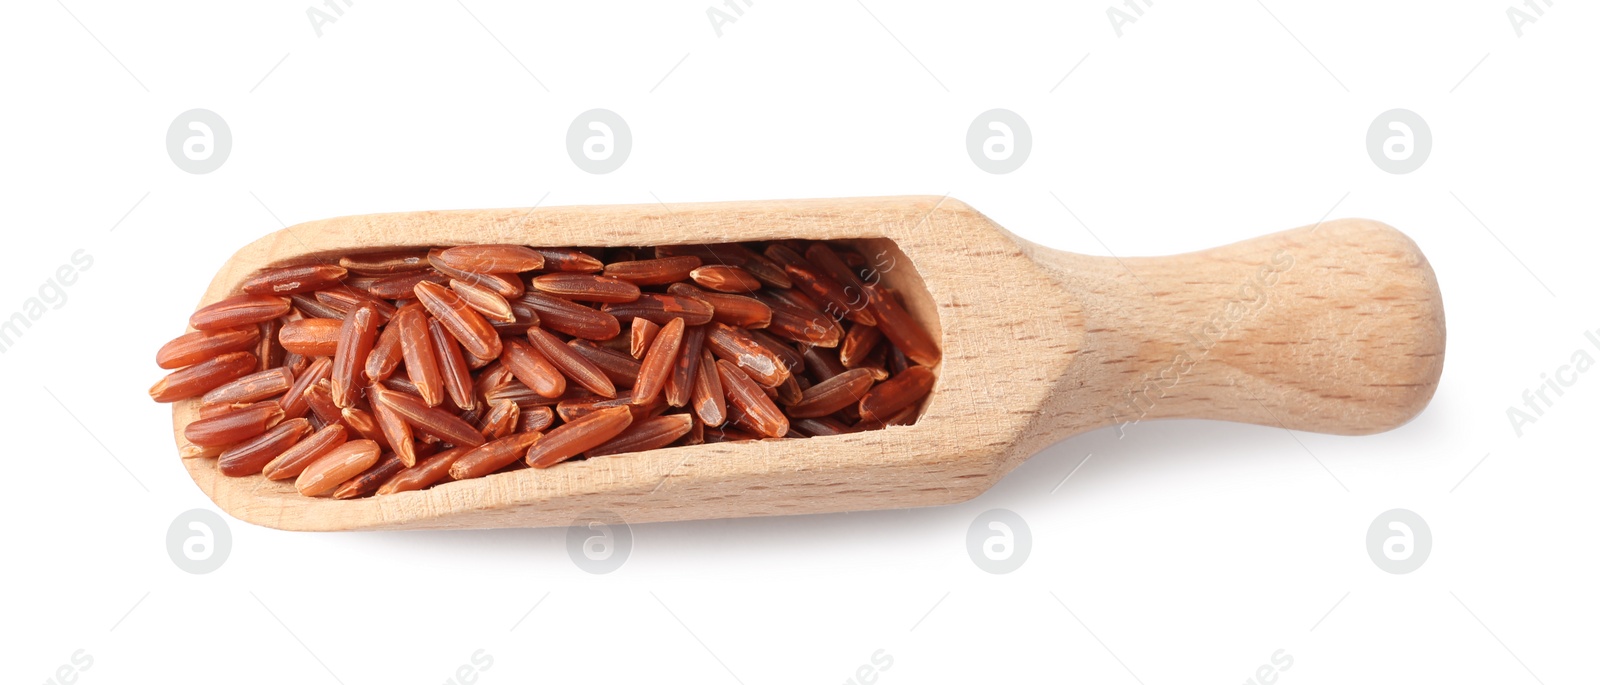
x=1186, y=552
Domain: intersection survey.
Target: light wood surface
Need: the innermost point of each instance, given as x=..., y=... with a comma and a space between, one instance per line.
x=1335, y=328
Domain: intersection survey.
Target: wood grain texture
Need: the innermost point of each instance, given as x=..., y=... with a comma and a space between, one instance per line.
x=1343, y=332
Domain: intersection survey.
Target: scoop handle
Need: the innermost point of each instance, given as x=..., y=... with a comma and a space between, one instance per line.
x=1332, y=328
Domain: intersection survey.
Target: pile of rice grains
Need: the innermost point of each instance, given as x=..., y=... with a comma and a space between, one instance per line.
x=395, y=371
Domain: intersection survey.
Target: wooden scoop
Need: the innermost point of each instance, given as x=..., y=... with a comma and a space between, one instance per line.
x=1334, y=328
